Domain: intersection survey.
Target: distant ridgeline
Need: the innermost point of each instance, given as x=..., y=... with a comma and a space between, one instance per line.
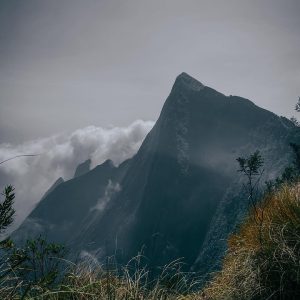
x=180, y=195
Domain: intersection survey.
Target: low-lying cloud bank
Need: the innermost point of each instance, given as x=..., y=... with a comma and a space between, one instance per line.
x=59, y=156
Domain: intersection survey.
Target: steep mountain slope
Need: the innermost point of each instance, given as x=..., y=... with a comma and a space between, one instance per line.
x=65, y=211
x=53, y=186
x=179, y=196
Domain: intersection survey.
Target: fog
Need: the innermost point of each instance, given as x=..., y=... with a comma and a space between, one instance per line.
x=59, y=155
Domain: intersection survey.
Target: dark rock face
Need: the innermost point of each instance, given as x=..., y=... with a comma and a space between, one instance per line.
x=83, y=168
x=53, y=187
x=180, y=195
x=64, y=212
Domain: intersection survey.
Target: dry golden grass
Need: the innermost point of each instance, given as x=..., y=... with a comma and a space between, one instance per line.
x=87, y=281
x=263, y=257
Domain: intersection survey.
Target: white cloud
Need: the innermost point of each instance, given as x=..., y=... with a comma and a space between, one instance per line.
x=110, y=190
x=59, y=156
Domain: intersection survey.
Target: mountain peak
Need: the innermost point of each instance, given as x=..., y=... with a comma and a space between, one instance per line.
x=187, y=81
x=83, y=168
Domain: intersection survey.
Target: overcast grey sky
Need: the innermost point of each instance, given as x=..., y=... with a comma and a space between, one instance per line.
x=66, y=64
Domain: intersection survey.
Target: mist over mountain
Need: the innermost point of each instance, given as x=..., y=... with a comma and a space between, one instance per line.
x=60, y=155
x=180, y=195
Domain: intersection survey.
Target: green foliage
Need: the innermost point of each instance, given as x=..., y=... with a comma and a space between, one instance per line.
x=30, y=270
x=34, y=269
x=42, y=264
x=252, y=168
x=6, y=208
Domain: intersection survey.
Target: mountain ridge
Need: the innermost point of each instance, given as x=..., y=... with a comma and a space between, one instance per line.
x=170, y=197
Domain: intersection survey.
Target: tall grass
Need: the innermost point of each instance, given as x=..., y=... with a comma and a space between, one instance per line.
x=263, y=257
x=89, y=281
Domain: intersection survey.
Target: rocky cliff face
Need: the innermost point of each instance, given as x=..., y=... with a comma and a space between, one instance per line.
x=180, y=195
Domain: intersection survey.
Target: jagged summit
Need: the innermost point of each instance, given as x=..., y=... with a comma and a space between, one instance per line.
x=83, y=168
x=109, y=163
x=187, y=81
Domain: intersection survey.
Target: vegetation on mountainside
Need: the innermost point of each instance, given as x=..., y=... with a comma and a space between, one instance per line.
x=263, y=256
x=29, y=270
x=263, y=259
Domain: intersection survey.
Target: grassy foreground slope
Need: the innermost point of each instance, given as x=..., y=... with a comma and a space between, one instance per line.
x=263, y=257
x=262, y=262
